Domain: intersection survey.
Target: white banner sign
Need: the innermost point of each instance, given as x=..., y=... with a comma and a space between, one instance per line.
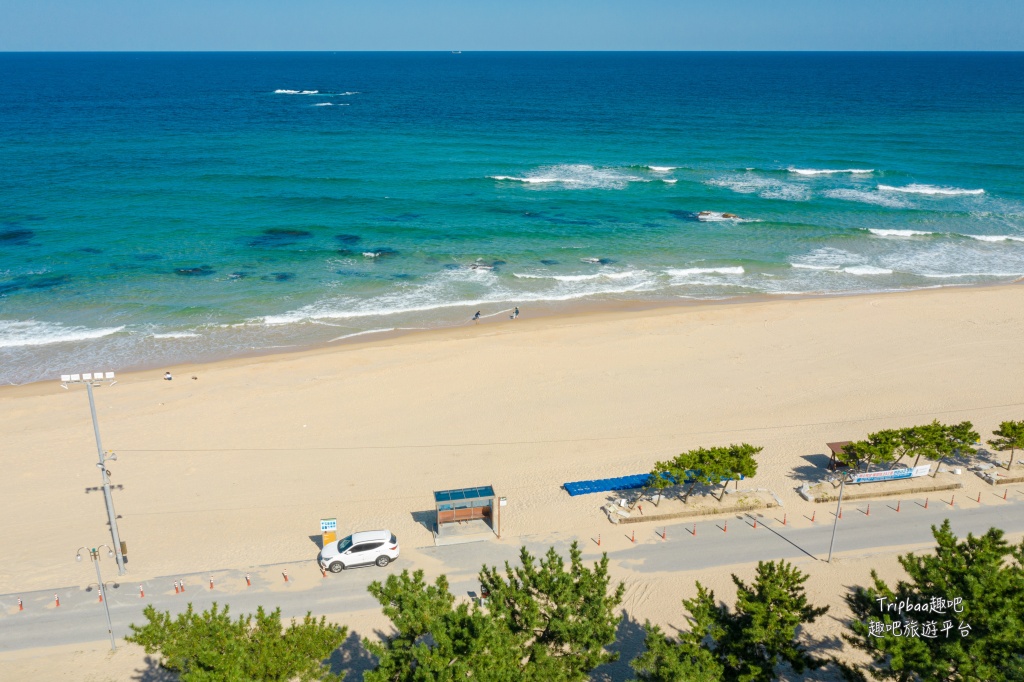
x=892, y=474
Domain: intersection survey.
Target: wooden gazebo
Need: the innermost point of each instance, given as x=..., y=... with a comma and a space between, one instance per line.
x=837, y=449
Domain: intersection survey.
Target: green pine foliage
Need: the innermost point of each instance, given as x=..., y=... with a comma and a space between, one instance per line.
x=436, y=640
x=542, y=621
x=987, y=574
x=929, y=441
x=211, y=647
x=747, y=644
x=676, y=660
x=564, y=616
x=707, y=466
x=1009, y=436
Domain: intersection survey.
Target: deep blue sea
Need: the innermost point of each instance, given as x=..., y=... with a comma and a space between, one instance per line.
x=167, y=207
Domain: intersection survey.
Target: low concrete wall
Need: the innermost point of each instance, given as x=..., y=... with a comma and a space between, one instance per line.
x=903, y=492
x=694, y=513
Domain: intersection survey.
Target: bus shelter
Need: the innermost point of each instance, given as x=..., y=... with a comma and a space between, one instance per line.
x=478, y=507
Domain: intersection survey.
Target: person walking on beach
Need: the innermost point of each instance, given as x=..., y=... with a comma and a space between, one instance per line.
x=515, y=313
x=477, y=316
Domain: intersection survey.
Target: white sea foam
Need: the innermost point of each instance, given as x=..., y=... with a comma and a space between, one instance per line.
x=687, y=272
x=662, y=169
x=364, y=333
x=716, y=217
x=575, y=176
x=900, y=233
x=826, y=258
x=929, y=189
x=512, y=178
x=808, y=266
x=176, y=335
x=995, y=237
x=867, y=270
x=831, y=171
x=867, y=197
x=583, y=278
x=670, y=181
x=766, y=188
x=296, y=92
x=953, y=275
x=14, y=333
x=323, y=104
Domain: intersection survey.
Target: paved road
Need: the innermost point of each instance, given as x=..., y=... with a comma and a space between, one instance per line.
x=80, y=617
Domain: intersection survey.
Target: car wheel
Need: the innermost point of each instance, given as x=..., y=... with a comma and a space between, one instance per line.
x=383, y=561
x=336, y=567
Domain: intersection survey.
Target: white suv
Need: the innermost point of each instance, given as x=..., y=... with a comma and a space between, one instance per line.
x=360, y=549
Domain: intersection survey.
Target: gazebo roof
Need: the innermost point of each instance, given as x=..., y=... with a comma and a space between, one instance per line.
x=483, y=492
x=837, y=448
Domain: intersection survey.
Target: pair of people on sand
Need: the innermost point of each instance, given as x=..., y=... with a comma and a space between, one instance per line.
x=513, y=316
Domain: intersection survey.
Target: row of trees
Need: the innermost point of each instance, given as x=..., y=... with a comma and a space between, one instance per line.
x=548, y=621
x=709, y=466
x=933, y=442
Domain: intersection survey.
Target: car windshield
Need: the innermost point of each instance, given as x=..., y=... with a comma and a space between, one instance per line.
x=344, y=543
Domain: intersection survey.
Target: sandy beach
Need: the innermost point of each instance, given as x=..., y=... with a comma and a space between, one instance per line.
x=236, y=467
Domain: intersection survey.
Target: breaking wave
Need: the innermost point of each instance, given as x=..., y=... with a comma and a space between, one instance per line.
x=14, y=333
x=900, y=233
x=930, y=190
x=830, y=171
x=574, y=176
x=995, y=237
x=686, y=272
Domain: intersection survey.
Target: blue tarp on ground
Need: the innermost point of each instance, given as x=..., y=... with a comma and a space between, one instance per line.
x=613, y=484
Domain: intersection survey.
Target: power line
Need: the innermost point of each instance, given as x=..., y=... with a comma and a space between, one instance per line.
x=570, y=440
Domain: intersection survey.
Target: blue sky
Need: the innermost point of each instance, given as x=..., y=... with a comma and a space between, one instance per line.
x=511, y=25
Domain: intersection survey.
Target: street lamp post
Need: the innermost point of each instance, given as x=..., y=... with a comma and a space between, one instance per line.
x=89, y=380
x=94, y=553
x=835, y=521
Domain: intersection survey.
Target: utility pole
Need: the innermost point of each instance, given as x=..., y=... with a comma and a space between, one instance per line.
x=88, y=380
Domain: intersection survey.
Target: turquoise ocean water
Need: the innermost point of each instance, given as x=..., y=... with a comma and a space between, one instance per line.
x=157, y=208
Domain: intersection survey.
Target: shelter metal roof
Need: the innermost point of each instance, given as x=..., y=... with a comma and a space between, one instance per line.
x=463, y=494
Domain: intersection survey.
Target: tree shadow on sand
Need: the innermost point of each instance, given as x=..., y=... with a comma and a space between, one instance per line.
x=629, y=643
x=153, y=672
x=352, y=659
x=815, y=471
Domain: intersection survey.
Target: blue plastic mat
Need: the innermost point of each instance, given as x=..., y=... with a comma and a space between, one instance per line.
x=603, y=485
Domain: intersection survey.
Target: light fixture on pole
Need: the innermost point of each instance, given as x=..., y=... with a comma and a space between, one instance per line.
x=90, y=380
x=94, y=553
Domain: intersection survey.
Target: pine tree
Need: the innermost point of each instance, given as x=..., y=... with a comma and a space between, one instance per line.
x=436, y=640
x=1010, y=436
x=565, y=618
x=986, y=636
x=211, y=647
x=676, y=660
x=710, y=466
x=542, y=621
x=745, y=645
